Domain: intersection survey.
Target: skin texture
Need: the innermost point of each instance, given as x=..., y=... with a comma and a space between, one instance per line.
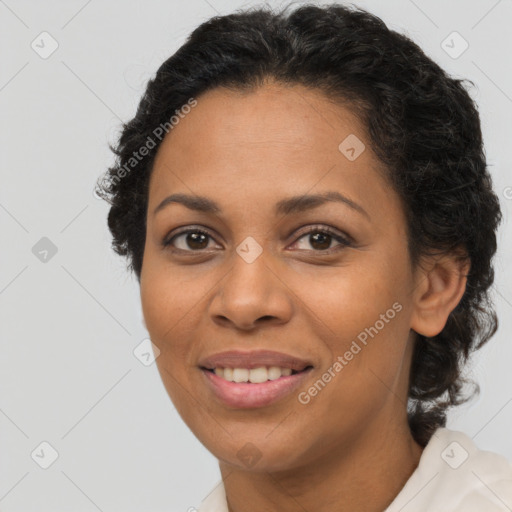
x=350, y=447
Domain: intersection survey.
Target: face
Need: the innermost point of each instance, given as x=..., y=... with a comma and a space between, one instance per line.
x=252, y=279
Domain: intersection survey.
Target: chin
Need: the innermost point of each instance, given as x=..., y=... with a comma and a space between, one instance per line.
x=252, y=449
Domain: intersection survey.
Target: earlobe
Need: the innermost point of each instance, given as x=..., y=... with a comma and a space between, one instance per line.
x=440, y=286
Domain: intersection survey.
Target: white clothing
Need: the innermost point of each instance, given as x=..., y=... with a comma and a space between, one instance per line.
x=453, y=475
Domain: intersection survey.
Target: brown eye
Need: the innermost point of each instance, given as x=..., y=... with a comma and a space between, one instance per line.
x=189, y=240
x=320, y=239
x=196, y=240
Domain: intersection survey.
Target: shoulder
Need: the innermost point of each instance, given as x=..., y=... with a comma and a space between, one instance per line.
x=454, y=475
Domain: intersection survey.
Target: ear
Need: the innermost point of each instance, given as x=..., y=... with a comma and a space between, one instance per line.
x=440, y=283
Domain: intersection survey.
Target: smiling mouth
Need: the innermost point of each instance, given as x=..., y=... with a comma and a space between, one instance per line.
x=254, y=375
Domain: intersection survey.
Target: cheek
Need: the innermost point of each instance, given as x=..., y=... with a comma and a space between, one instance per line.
x=353, y=297
x=165, y=306
x=166, y=295
x=365, y=312
x=174, y=303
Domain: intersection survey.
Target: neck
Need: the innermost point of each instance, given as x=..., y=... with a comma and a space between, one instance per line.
x=366, y=474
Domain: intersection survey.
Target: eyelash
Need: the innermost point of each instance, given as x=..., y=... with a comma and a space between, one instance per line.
x=325, y=230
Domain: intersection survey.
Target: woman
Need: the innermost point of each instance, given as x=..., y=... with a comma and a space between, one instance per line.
x=304, y=199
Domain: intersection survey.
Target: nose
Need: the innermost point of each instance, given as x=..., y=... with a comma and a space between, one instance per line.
x=251, y=294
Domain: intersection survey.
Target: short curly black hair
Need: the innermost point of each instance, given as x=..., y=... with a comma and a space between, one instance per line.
x=422, y=124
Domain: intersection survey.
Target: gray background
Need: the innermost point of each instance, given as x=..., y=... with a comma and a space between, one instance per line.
x=69, y=324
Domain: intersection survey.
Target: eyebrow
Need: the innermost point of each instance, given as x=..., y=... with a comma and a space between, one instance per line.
x=288, y=206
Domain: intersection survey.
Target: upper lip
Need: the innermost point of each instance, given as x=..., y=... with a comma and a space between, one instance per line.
x=253, y=359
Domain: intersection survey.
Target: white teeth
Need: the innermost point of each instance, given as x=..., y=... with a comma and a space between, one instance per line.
x=240, y=374
x=253, y=375
x=258, y=375
x=274, y=372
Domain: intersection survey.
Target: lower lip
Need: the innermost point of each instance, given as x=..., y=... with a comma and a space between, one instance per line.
x=248, y=395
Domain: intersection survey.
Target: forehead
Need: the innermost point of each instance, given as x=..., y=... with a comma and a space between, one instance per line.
x=270, y=142
x=274, y=114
